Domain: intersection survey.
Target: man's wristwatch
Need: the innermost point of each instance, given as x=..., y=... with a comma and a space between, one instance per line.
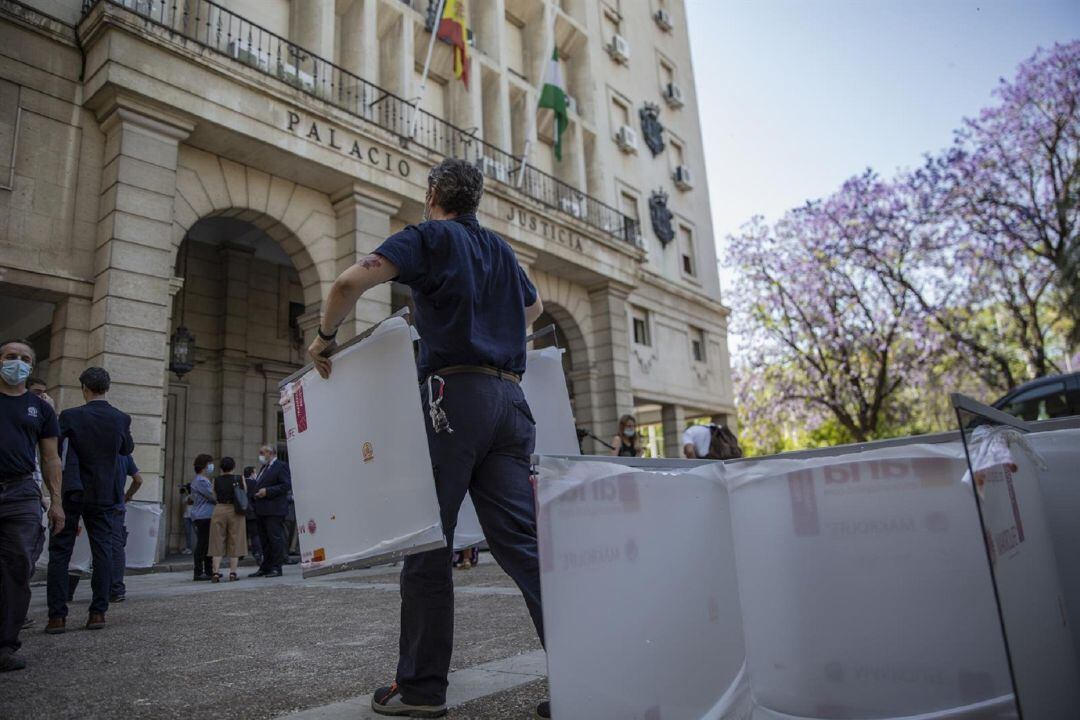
x=323, y=336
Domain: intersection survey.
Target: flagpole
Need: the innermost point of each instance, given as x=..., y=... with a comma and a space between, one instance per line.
x=427, y=66
x=533, y=130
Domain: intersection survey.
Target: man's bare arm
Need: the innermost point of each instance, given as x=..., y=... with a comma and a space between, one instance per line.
x=533, y=312
x=52, y=470
x=371, y=271
x=136, y=483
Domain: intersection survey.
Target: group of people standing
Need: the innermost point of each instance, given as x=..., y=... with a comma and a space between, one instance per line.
x=709, y=441
x=225, y=508
x=72, y=466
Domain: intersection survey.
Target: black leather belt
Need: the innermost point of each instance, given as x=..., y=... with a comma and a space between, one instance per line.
x=478, y=370
x=15, y=478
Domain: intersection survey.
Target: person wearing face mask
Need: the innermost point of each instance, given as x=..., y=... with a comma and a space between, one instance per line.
x=272, y=485
x=28, y=428
x=627, y=443
x=202, y=509
x=96, y=437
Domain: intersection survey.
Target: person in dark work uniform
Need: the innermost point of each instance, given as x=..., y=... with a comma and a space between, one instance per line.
x=28, y=426
x=473, y=305
x=97, y=437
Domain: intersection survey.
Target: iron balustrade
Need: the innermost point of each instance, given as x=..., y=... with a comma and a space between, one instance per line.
x=208, y=24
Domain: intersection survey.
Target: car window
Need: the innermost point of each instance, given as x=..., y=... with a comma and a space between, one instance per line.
x=1039, y=403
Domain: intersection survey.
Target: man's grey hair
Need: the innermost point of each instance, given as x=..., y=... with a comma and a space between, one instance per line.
x=456, y=186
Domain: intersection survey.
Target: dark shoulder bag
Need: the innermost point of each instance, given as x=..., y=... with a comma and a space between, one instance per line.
x=240, y=498
x=723, y=444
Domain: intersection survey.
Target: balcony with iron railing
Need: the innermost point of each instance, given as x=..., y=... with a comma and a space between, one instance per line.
x=212, y=26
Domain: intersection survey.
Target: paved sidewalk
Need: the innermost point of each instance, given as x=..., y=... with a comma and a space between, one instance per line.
x=266, y=648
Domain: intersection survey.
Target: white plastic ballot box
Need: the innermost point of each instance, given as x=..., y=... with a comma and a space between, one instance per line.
x=641, y=606
x=143, y=522
x=1059, y=479
x=80, y=553
x=544, y=386
x=1034, y=613
x=864, y=586
x=361, y=471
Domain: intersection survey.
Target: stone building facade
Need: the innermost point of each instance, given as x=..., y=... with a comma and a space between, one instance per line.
x=168, y=163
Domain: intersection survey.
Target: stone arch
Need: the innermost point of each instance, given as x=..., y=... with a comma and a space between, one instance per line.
x=301, y=220
x=568, y=304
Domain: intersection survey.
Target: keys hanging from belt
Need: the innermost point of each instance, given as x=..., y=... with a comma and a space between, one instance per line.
x=439, y=421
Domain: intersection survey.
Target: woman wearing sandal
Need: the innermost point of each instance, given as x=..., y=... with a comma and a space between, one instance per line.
x=228, y=531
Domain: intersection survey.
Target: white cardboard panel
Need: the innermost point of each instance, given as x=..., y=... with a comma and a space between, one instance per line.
x=81, y=557
x=864, y=586
x=1025, y=572
x=641, y=607
x=361, y=471
x=544, y=385
x=1060, y=484
x=142, y=520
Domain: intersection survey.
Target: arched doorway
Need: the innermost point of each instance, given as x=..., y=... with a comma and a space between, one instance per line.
x=244, y=302
x=575, y=359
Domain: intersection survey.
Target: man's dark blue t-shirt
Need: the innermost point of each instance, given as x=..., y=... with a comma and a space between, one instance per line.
x=469, y=291
x=24, y=421
x=130, y=468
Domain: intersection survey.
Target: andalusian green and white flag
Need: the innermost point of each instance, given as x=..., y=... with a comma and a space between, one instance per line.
x=553, y=95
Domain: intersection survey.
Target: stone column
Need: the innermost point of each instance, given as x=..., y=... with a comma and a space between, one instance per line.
x=312, y=26
x=234, y=360
x=673, y=418
x=363, y=222
x=68, y=350
x=611, y=393
x=129, y=316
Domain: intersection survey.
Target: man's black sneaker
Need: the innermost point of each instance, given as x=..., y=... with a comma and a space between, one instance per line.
x=12, y=661
x=543, y=711
x=273, y=573
x=388, y=701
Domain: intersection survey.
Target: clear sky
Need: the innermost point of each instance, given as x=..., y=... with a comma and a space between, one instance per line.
x=797, y=95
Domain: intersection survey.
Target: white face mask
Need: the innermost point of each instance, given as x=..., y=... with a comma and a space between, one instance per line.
x=210, y=468
x=262, y=459
x=629, y=432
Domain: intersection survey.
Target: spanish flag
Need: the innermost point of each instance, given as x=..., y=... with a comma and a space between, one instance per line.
x=454, y=29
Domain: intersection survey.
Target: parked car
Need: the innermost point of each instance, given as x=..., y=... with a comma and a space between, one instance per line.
x=1047, y=397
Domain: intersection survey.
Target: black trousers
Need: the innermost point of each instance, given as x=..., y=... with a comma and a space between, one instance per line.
x=98, y=523
x=272, y=539
x=203, y=562
x=20, y=526
x=487, y=456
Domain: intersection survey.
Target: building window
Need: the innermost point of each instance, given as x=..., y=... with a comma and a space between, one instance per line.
x=515, y=46
x=686, y=251
x=676, y=151
x=640, y=318
x=620, y=112
x=667, y=73
x=697, y=344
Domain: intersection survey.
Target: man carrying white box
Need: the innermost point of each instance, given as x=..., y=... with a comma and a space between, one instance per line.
x=473, y=305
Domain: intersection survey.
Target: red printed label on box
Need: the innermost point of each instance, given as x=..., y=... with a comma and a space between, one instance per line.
x=301, y=409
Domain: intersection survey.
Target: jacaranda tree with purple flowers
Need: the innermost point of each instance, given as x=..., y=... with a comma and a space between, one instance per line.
x=860, y=310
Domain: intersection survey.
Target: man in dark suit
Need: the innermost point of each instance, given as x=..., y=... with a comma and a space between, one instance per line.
x=96, y=438
x=272, y=486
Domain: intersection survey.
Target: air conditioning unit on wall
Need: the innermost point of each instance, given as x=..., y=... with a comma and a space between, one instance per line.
x=619, y=49
x=682, y=177
x=626, y=138
x=673, y=95
x=663, y=19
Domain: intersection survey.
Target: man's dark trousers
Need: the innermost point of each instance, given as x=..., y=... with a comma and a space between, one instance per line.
x=487, y=455
x=98, y=522
x=20, y=523
x=119, y=553
x=272, y=540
